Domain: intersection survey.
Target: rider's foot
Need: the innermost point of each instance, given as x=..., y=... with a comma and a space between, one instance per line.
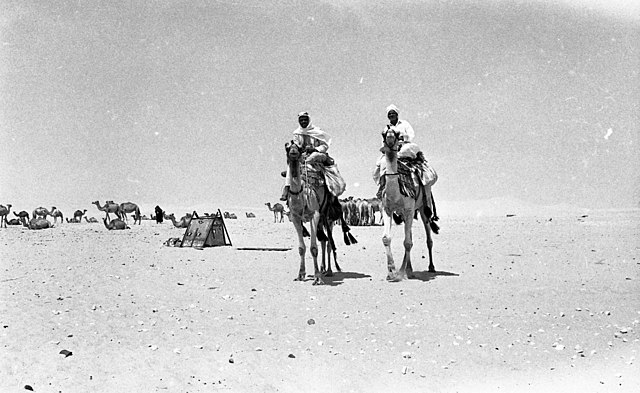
x=285, y=193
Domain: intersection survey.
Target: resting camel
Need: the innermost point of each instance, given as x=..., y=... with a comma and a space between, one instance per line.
x=73, y=220
x=277, y=210
x=90, y=220
x=250, y=215
x=393, y=201
x=4, y=211
x=130, y=207
x=15, y=221
x=310, y=201
x=55, y=213
x=115, y=224
x=78, y=214
x=109, y=207
x=41, y=212
x=183, y=223
x=38, y=223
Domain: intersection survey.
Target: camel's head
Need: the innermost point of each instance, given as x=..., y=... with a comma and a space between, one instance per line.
x=293, y=151
x=391, y=138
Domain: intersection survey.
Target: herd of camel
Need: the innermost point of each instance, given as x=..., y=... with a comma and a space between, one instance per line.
x=38, y=218
x=356, y=211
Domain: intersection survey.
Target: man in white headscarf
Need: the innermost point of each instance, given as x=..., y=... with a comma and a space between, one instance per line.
x=408, y=149
x=313, y=141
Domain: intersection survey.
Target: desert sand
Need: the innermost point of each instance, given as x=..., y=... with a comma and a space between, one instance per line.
x=544, y=300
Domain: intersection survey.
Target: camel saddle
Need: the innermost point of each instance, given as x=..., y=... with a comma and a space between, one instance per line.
x=413, y=172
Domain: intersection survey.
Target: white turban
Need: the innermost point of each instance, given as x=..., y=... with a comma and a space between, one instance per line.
x=393, y=108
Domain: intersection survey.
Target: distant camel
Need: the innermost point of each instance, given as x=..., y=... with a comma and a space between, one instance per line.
x=183, y=223
x=73, y=220
x=250, y=215
x=38, y=223
x=231, y=216
x=78, y=214
x=115, y=224
x=130, y=207
x=15, y=221
x=41, y=212
x=23, y=215
x=277, y=210
x=109, y=207
x=90, y=220
x=4, y=211
x=55, y=213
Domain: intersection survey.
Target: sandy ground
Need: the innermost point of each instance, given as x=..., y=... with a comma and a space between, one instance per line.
x=519, y=304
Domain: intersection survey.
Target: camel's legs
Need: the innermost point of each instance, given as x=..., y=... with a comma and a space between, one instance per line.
x=406, y=270
x=386, y=240
x=426, y=221
x=313, y=246
x=323, y=266
x=297, y=223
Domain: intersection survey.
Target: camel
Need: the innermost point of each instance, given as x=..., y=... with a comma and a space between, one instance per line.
x=130, y=207
x=23, y=216
x=250, y=215
x=375, y=207
x=73, y=220
x=41, y=212
x=115, y=224
x=90, y=220
x=55, y=213
x=15, y=221
x=231, y=216
x=310, y=201
x=38, y=223
x=78, y=214
x=277, y=210
x=109, y=207
x=4, y=211
x=393, y=201
x=182, y=223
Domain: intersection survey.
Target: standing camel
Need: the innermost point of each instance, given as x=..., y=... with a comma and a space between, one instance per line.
x=41, y=212
x=393, y=201
x=55, y=213
x=278, y=211
x=77, y=215
x=4, y=211
x=109, y=207
x=23, y=216
x=130, y=207
x=310, y=201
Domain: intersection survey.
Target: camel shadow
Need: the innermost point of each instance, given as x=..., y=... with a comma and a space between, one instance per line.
x=425, y=275
x=339, y=277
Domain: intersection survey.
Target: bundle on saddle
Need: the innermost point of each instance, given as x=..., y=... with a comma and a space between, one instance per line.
x=321, y=184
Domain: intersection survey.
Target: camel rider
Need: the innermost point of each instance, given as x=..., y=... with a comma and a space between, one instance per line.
x=408, y=149
x=311, y=140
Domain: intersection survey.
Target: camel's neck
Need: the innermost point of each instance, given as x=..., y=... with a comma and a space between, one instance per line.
x=392, y=185
x=391, y=161
x=296, y=181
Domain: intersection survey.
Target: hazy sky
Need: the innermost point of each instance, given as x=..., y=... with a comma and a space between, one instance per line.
x=191, y=102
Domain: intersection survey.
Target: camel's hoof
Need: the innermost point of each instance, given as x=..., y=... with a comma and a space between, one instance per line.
x=328, y=274
x=432, y=269
x=299, y=278
x=318, y=281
